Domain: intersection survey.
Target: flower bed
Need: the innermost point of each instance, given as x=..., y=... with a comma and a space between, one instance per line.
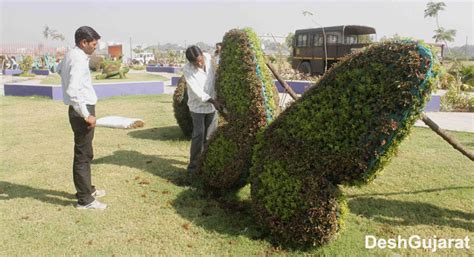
x=103, y=90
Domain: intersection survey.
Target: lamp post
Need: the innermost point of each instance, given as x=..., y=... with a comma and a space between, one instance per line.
x=131, y=57
x=324, y=39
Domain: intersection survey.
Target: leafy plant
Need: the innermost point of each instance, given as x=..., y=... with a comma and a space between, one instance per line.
x=464, y=73
x=26, y=64
x=181, y=109
x=342, y=131
x=246, y=89
x=456, y=101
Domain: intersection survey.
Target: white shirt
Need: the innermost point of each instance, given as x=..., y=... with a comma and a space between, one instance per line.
x=76, y=81
x=200, y=86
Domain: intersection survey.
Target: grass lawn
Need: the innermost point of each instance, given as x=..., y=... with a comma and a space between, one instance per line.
x=427, y=190
x=55, y=79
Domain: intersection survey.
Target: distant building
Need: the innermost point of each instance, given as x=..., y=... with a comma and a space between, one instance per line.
x=115, y=51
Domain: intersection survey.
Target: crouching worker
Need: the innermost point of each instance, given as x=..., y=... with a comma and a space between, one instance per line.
x=79, y=94
x=199, y=74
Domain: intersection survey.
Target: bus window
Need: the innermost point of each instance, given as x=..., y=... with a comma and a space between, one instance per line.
x=352, y=39
x=317, y=40
x=302, y=40
x=332, y=39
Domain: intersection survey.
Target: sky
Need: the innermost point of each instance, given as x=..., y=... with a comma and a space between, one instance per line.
x=189, y=22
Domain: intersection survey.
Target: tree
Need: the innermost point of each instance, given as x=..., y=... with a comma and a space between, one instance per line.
x=441, y=34
x=289, y=41
x=432, y=10
x=52, y=33
x=138, y=49
x=444, y=35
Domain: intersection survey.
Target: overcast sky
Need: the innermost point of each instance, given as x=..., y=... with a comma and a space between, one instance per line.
x=152, y=22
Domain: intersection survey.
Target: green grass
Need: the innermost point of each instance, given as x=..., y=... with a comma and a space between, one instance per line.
x=55, y=79
x=427, y=190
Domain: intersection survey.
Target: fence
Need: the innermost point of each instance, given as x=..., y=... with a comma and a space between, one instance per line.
x=32, y=49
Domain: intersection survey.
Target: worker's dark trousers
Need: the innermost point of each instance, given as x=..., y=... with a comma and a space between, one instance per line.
x=83, y=155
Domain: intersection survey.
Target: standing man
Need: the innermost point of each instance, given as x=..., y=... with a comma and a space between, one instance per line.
x=79, y=94
x=199, y=75
x=217, y=53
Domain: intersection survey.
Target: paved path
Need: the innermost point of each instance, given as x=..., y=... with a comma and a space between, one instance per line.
x=456, y=121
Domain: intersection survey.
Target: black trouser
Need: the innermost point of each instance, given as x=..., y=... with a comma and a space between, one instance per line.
x=83, y=155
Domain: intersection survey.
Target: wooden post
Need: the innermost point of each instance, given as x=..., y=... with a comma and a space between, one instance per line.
x=453, y=142
x=282, y=82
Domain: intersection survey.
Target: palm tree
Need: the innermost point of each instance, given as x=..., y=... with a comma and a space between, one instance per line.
x=46, y=32
x=441, y=34
x=444, y=35
x=432, y=10
x=54, y=34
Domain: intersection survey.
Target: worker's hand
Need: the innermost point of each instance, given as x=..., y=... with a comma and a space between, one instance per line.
x=219, y=107
x=90, y=121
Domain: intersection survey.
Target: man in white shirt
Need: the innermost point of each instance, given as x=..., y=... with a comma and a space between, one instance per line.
x=199, y=75
x=79, y=94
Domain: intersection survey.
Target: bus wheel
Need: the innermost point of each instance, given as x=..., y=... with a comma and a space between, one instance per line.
x=304, y=67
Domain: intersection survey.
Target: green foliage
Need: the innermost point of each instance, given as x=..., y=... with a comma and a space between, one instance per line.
x=457, y=101
x=26, y=75
x=138, y=67
x=445, y=80
x=289, y=40
x=112, y=69
x=444, y=35
x=26, y=64
x=344, y=130
x=220, y=154
x=440, y=33
x=245, y=87
x=281, y=196
x=433, y=8
x=181, y=109
x=465, y=73
x=311, y=216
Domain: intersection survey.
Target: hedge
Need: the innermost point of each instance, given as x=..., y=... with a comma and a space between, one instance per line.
x=342, y=131
x=245, y=87
x=181, y=109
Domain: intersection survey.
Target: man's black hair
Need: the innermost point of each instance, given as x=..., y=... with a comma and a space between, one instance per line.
x=192, y=53
x=217, y=50
x=87, y=33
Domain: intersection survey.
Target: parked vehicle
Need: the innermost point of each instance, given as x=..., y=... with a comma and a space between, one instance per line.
x=143, y=58
x=316, y=49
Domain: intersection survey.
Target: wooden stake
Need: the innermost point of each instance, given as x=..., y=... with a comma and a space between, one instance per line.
x=453, y=142
x=282, y=82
